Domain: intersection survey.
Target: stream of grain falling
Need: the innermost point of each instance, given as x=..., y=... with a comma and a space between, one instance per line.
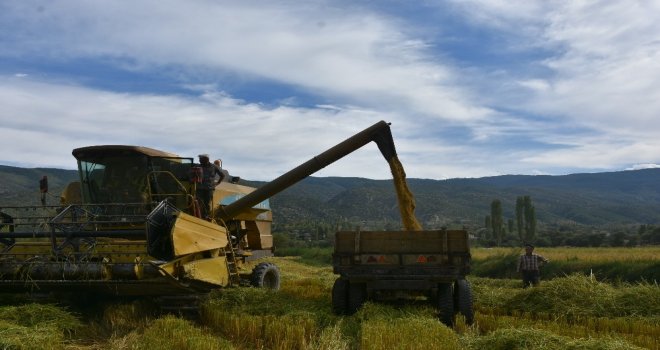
x=406, y=199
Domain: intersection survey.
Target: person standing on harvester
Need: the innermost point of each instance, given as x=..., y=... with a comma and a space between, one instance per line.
x=529, y=265
x=43, y=189
x=206, y=188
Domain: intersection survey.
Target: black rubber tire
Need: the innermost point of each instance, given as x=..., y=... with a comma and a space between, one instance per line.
x=432, y=297
x=357, y=294
x=265, y=275
x=463, y=300
x=340, y=297
x=445, y=304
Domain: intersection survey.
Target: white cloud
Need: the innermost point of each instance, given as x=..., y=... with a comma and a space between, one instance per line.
x=254, y=142
x=598, y=153
x=522, y=21
x=605, y=78
x=594, y=105
x=602, y=59
x=538, y=85
x=643, y=166
x=355, y=55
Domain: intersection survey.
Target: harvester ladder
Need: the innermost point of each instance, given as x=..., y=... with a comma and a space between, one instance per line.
x=230, y=254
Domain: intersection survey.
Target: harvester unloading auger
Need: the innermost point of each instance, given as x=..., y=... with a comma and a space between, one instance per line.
x=128, y=227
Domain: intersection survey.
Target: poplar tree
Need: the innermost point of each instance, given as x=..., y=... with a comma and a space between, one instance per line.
x=525, y=219
x=530, y=219
x=520, y=219
x=497, y=220
x=489, y=225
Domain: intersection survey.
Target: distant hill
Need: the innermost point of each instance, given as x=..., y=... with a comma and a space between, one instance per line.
x=626, y=197
x=20, y=186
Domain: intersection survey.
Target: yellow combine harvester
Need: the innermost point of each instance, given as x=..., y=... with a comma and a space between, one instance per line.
x=129, y=226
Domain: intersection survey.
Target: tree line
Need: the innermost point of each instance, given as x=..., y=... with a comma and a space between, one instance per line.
x=496, y=230
x=523, y=228
x=524, y=223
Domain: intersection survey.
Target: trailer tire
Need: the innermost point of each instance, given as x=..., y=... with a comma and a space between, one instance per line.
x=357, y=294
x=265, y=275
x=340, y=297
x=463, y=300
x=445, y=304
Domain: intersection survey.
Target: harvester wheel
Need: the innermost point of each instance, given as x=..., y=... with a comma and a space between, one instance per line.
x=265, y=275
x=357, y=293
x=340, y=297
x=463, y=300
x=445, y=304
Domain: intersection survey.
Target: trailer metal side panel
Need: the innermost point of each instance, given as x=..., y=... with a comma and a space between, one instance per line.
x=401, y=242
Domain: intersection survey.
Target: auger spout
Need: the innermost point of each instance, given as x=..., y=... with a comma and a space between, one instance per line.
x=379, y=133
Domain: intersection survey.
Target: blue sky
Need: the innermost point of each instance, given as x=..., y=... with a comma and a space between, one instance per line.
x=472, y=88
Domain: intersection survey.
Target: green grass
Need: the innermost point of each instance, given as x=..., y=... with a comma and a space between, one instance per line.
x=612, y=264
x=580, y=296
x=538, y=339
x=36, y=326
x=170, y=332
x=315, y=256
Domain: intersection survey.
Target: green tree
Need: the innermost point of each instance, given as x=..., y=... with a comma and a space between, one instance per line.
x=520, y=218
x=525, y=218
x=496, y=220
x=530, y=217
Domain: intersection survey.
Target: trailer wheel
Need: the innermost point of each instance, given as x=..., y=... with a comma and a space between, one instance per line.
x=340, y=297
x=357, y=293
x=265, y=275
x=463, y=300
x=445, y=304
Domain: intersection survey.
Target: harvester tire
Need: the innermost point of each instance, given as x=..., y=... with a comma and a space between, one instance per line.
x=357, y=294
x=463, y=300
x=265, y=275
x=340, y=297
x=445, y=304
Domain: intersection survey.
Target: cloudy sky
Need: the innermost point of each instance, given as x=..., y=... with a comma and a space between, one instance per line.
x=472, y=88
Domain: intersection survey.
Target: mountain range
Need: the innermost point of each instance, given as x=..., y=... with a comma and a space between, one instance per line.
x=624, y=197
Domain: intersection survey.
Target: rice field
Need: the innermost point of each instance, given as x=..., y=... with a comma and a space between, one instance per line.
x=613, y=264
x=585, y=254
x=572, y=312
x=636, y=264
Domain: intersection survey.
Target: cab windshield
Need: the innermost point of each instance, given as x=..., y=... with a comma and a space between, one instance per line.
x=134, y=178
x=114, y=179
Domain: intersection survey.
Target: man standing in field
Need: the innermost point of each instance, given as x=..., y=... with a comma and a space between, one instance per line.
x=529, y=264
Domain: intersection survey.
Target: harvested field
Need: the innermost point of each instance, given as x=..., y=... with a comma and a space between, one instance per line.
x=572, y=312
